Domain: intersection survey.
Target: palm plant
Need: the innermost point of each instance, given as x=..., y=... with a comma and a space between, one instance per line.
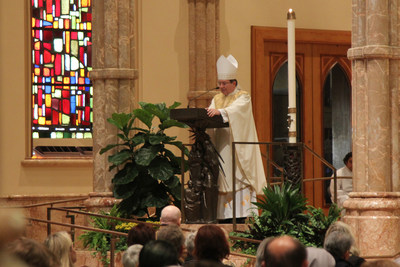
x=284, y=211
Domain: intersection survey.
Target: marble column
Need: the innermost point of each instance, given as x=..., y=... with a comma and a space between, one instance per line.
x=113, y=76
x=373, y=209
x=203, y=50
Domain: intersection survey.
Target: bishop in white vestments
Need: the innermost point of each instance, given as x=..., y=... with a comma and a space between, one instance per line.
x=234, y=105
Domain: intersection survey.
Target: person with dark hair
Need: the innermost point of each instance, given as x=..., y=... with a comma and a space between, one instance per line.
x=158, y=253
x=284, y=251
x=32, y=253
x=141, y=234
x=344, y=185
x=210, y=244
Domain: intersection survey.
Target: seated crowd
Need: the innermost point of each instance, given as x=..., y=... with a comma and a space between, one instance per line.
x=208, y=247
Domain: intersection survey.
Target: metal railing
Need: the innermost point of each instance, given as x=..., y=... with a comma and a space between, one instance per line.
x=270, y=161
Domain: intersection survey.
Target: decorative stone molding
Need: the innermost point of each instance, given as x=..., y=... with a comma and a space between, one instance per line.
x=373, y=210
x=203, y=48
x=114, y=73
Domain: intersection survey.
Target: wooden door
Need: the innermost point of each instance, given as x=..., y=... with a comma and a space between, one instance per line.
x=316, y=53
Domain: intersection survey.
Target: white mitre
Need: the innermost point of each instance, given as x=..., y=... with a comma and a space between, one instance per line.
x=227, y=67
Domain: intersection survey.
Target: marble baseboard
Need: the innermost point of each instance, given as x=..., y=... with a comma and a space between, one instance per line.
x=375, y=220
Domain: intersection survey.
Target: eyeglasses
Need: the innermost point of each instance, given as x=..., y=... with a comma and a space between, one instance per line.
x=223, y=83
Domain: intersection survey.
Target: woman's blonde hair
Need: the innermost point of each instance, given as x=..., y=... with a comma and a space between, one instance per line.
x=60, y=244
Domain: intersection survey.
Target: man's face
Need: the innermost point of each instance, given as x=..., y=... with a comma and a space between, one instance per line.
x=226, y=86
x=349, y=164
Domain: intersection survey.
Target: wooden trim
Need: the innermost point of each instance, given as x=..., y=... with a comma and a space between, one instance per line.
x=263, y=38
x=302, y=35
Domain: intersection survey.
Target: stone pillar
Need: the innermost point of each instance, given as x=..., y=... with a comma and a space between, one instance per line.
x=113, y=76
x=373, y=209
x=203, y=50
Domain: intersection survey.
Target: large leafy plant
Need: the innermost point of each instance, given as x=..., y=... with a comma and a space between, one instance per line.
x=284, y=211
x=146, y=169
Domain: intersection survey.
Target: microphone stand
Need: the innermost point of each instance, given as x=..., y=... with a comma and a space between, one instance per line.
x=206, y=92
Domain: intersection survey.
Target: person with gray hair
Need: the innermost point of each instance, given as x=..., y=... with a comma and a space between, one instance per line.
x=189, y=244
x=260, y=251
x=173, y=235
x=130, y=258
x=339, y=226
x=319, y=257
x=339, y=244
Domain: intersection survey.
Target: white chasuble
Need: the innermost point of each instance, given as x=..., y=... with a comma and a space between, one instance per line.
x=250, y=177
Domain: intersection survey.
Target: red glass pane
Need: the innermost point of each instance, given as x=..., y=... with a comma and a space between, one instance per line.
x=87, y=98
x=47, y=56
x=57, y=64
x=55, y=118
x=48, y=113
x=47, y=36
x=47, y=46
x=37, y=57
x=65, y=106
x=65, y=93
x=87, y=113
x=73, y=119
x=49, y=6
x=40, y=92
x=55, y=104
x=74, y=35
x=58, y=9
x=81, y=54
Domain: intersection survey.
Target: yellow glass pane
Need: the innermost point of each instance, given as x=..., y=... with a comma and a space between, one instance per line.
x=37, y=71
x=49, y=17
x=66, y=24
x=84, y=3
x=48, y=100
x=89, y=26
x=65, y=119
x=66, y=79
x=67, y=42
x=55, y=24
x=48, y=122
x=37, y=45
x=82, y=74
x=42, y=121
x=46, y=72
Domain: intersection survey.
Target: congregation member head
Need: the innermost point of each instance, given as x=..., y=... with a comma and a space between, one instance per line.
x=285, y=251
x=170, y=215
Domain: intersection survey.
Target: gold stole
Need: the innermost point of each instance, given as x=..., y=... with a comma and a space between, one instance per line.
x=222, y=101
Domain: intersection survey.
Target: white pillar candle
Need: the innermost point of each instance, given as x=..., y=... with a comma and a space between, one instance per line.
x=291, y=18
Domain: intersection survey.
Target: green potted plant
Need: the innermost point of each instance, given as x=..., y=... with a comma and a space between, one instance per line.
x=146, y=169
x=284, y=211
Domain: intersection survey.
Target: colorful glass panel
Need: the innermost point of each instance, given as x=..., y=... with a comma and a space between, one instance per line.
x=62, y=105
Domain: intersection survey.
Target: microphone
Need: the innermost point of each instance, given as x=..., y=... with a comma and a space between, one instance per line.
x=206, y=92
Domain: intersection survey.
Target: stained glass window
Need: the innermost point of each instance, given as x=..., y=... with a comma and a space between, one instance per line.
x=62, y=101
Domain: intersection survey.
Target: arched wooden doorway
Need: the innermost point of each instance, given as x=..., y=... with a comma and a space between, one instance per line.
x=317, y=53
